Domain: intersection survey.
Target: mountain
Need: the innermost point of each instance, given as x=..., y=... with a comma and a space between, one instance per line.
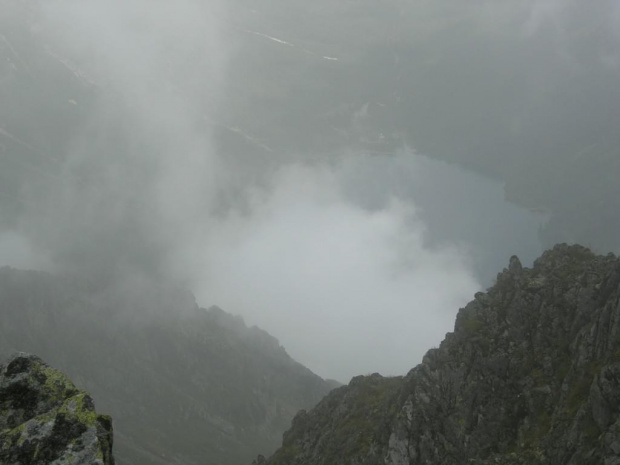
x=530, y=375
x=45, y=419
x=184, y=385
x=526, y=93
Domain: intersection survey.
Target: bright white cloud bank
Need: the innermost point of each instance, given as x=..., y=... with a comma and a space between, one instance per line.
x=347, y=290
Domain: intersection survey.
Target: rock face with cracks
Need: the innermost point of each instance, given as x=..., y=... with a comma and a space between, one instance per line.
x=45, y=419
x=530, y=375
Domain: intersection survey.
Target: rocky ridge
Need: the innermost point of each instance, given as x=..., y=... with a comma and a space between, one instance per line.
x=184, y=384
x=45, y=419
x=530, y=375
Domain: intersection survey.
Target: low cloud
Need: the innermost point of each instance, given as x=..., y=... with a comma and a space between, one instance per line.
x=346, y=289
x=17, y=252
x=357, y=264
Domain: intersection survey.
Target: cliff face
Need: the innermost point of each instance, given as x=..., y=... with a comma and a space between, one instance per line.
x=530, y=375
x=45, y=419
x=184, y=385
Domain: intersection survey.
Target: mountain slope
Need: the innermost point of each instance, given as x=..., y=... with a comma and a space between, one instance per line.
x=184, y=385
x=530, y=375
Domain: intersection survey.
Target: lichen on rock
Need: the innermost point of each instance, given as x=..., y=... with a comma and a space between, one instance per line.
x=45, y=419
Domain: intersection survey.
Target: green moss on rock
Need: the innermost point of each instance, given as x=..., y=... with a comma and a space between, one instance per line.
x=46, y=419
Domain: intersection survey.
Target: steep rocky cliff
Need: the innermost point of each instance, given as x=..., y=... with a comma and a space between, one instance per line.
x=530, y=375
x=185, y=385
x=45, y=419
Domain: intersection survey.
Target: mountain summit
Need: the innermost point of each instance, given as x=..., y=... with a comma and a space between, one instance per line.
x=530, y=375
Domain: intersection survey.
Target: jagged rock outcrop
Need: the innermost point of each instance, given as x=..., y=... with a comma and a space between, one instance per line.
x=530, y=375
x=45, y=419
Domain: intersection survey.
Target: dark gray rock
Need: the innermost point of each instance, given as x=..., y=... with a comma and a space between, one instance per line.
x=530, y=375
x=45, y=419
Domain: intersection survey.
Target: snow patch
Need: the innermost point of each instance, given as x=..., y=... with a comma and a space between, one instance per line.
x=275, y=39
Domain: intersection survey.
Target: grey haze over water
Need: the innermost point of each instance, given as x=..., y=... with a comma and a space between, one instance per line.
x=176, y=152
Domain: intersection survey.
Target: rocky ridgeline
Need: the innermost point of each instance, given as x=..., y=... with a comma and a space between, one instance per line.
x=45, y=419
x=185, y=385
x=530, y=375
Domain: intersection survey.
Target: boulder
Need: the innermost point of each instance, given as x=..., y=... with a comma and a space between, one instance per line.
x=45, y=419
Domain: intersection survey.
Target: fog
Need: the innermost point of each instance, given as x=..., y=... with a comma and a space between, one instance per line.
x=189, y=150
x=350, y=270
